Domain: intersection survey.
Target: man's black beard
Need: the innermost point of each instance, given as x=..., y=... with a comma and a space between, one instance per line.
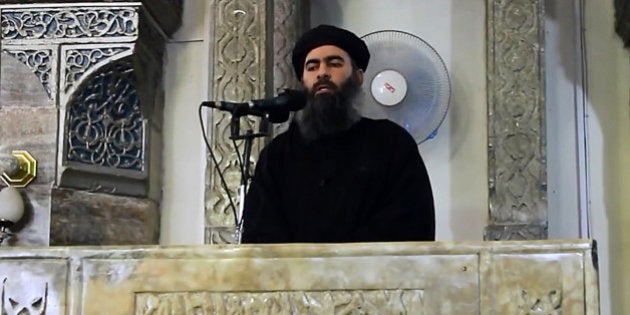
x=329, y=113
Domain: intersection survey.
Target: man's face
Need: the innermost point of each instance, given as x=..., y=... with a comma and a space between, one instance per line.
x=332, y=86
x=326, y=69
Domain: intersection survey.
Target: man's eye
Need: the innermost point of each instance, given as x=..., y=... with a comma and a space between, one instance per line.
x=310, y=68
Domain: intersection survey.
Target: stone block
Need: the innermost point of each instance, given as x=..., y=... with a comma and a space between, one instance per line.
x=85, y=218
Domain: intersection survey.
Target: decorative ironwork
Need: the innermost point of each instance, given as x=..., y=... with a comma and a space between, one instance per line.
x=39, y=61
x=105, y=123
x=78, y=61
x=69, y=23
x=397, y=301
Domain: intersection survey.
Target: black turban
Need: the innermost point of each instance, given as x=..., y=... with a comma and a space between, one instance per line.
x=329, y=35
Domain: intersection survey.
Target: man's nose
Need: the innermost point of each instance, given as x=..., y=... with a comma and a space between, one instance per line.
x=323, y=72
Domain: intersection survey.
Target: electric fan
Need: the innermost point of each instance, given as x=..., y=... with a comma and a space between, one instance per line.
x=408, y=83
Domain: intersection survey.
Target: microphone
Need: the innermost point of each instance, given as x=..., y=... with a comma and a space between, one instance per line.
x=276, y=109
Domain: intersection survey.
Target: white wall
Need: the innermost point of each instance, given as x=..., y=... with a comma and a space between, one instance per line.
x=457, y=158
x=608, y=126
x=186, y=86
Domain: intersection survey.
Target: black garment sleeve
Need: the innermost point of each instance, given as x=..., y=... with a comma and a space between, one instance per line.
x=263, y=221
x=407, y=211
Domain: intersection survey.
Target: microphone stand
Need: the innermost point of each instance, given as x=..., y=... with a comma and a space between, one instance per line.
x=248, y=137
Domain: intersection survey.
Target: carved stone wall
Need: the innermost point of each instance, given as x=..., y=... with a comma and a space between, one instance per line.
x=543, y=277
x=516, y=121
x=243, y=53
x=92, y=72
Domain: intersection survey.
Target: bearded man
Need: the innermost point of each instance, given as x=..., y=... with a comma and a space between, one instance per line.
x=335, y=176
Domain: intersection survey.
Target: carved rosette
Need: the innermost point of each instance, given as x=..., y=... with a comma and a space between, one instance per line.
x=516, y=120
x=241, y=55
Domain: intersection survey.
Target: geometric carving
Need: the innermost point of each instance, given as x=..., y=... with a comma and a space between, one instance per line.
x=105, y=126
x=70, y=23
x=78, y=61
x=396, y=301
x=39, y=61
x=516, y=121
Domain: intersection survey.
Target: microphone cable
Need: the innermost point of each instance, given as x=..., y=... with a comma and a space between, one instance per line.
x=216, y=165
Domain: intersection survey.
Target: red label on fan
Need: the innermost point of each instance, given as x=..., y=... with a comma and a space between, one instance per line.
x=389, y=87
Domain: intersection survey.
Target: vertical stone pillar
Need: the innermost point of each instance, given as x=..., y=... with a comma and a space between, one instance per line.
x=99, y=114
x=251, y=42
x=516, y=120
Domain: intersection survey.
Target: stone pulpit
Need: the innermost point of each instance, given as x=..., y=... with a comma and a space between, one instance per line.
x=510, y=277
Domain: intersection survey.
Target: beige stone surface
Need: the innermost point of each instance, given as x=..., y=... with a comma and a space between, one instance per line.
x=541, y=277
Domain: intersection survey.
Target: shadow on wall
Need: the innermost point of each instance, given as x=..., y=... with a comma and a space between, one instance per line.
x=602, y=68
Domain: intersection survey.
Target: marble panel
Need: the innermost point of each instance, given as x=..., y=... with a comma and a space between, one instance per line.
x=526, y=277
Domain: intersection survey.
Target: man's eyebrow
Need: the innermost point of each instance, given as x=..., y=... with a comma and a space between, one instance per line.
x=326, y=59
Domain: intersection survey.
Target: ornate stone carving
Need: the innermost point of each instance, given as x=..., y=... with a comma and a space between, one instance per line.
x=78, y=61
x=240, y=61
x=40, y=62
x=105, y=126
x=516, y=122
x=289, y=302
x=102, y=74
x=239, y=74
x=70, y=23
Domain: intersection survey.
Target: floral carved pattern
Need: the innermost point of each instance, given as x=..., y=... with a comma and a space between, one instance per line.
x=289, y=302
x=78, y=61
x=516, y=122
x=238, y=75
x=68, y=23
x=39, y=61
x=105, y=123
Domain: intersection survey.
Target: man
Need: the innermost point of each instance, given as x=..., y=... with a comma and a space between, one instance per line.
x=334, y=176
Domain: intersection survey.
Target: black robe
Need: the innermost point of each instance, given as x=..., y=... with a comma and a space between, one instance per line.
x=367, y=184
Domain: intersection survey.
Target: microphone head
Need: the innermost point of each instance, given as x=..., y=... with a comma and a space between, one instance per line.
x=292, y=99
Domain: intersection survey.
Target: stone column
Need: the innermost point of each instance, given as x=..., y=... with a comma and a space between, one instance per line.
x=516, y=120
x=92, y=112
x=251, y=42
